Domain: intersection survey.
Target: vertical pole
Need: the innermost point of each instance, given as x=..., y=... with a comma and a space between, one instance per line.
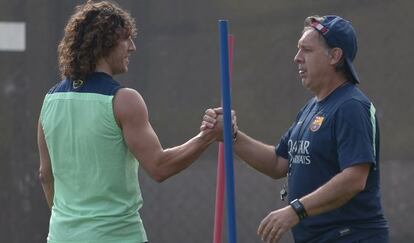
x=228, y=131
x=220, y=183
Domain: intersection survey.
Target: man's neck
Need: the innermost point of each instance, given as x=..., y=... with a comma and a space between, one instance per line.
x=329, y=87
x=103, y=67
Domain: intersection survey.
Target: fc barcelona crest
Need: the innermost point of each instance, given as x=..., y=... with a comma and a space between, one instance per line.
x=317, y=123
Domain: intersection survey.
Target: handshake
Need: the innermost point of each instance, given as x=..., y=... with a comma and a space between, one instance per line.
x=212, y=124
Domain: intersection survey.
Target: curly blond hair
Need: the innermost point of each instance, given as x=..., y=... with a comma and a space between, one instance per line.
x=90, y=34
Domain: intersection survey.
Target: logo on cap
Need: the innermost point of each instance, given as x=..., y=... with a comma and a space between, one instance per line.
x=318, y=26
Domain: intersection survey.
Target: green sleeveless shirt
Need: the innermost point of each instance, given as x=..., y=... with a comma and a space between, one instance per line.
x=96, y=190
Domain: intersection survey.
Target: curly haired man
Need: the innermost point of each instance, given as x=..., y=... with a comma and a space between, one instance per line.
x=92, y=132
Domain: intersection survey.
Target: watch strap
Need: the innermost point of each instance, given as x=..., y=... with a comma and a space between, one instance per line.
x=298, y=208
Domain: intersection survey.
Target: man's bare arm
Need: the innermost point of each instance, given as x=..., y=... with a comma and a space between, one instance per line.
x=132, y=116
x=45, y=168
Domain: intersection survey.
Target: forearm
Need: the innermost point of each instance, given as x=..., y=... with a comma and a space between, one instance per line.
x=260, y=156
x=45, y=169
x=49, y=191
x=173, y=160
x=332, y=195
x=336, y=192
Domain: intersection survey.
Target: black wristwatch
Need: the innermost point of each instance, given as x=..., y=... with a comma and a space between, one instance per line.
x=299, y=209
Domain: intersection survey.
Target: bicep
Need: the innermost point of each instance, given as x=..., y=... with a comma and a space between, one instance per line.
x=140, y=137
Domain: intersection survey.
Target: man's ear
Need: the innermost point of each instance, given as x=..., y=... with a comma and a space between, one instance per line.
x=336, y=55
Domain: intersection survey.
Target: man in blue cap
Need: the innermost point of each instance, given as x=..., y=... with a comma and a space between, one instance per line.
x=330, y=154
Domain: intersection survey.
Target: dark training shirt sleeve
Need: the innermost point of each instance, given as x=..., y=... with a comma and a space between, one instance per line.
x=355, y=133
x=282, y=149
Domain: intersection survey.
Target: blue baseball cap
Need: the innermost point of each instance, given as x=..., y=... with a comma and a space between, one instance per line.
x=339, y=32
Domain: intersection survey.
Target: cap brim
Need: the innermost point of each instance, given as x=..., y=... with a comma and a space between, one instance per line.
x=352, y=71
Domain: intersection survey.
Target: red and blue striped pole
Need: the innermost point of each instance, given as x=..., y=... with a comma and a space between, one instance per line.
x=220, y=184
x=227, y=130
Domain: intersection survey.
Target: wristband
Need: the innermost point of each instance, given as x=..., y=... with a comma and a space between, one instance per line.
x=299, y=209
x=235, y=136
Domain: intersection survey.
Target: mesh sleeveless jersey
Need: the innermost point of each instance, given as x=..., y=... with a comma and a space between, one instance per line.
x=97, y=195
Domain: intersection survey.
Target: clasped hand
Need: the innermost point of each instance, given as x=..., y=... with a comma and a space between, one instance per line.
x=213, y=119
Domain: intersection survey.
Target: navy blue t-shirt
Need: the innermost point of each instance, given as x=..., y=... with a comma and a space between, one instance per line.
x=327, y=137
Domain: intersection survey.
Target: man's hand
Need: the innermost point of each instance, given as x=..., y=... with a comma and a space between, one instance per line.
x=277, y=223
x=213, y=119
